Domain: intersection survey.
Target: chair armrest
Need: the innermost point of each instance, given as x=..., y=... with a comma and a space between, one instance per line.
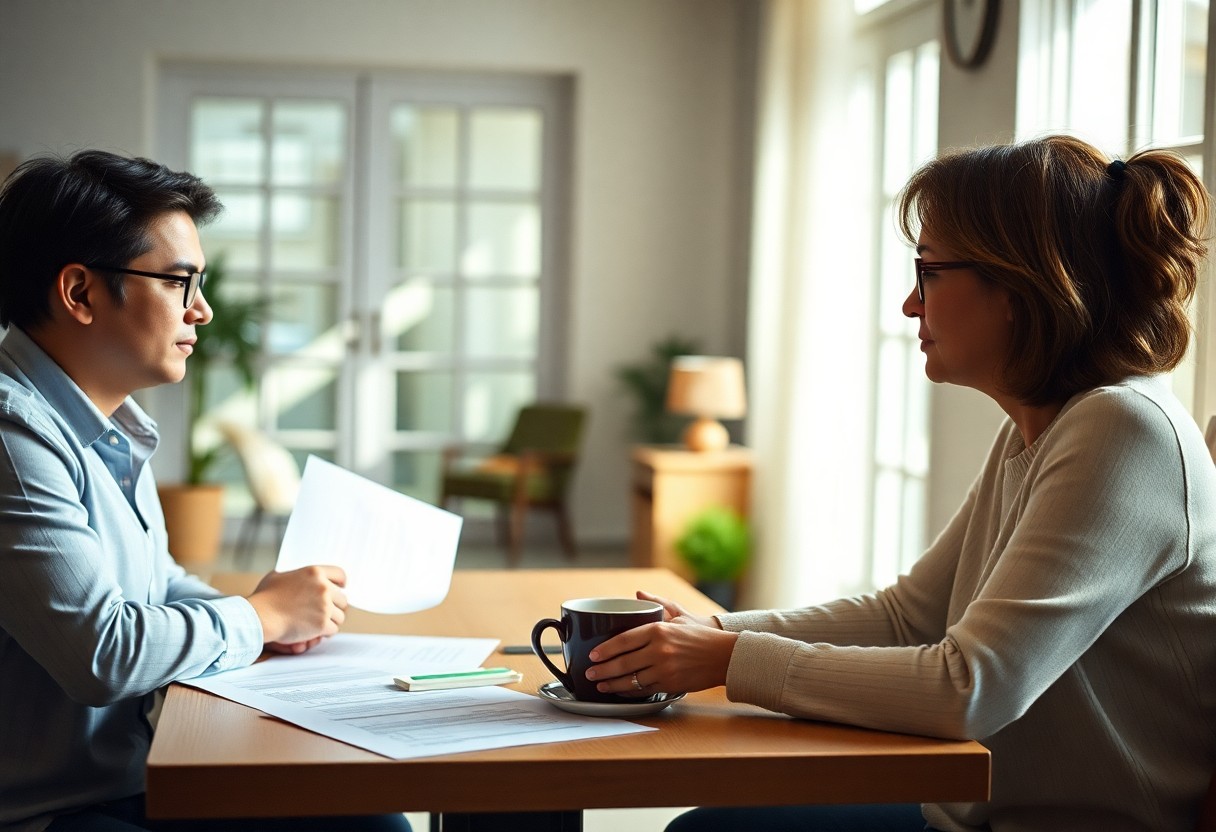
x=545, y=459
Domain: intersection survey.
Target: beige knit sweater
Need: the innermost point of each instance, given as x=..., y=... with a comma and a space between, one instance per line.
x=1066, y=618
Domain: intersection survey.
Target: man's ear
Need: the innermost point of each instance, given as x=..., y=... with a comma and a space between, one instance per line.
x=74, y=291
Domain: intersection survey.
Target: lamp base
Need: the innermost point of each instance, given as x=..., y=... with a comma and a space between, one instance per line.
x=706, y=434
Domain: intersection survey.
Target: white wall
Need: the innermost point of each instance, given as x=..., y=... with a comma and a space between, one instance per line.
x=660, y=185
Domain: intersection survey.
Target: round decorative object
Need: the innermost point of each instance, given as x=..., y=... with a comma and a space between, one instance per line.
x=969, y=30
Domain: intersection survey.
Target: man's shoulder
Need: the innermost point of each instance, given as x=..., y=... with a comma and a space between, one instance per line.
x=25, y=406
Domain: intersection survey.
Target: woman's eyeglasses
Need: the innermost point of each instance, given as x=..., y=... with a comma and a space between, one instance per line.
x=924, y=267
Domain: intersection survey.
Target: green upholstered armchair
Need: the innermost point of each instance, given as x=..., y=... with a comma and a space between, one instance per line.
x=532, y=469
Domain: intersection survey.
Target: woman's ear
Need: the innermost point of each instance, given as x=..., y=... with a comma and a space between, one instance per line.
x=75, y=286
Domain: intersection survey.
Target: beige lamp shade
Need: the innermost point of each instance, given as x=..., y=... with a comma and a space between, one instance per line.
x=710, y=388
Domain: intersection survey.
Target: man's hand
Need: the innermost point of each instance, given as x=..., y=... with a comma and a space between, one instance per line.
x=300, y=607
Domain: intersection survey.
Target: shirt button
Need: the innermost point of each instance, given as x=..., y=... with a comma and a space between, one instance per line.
x=113, y=439
x=126, y=481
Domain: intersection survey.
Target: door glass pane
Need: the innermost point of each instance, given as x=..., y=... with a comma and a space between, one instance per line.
x=305, y=231
x=492, y=401
x=304, y=319
x=897, y=149
x=309, y=142
x=425, y=146
x=502, y=322
x=420, y=317
x=896, y=282
x=417, y=473
x=234, y=234
x=1101, y=67
x=305, y=397
x=503, y=240
x=1181, y=57
x=505, y=149
x=428, y=236
x=889, y=414
x=888, y=525
x=913, y=525
x=226, y=145
x=424, y=401
x=223, y=389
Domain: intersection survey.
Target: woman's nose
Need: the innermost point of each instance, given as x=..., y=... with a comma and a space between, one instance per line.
x=913, y=306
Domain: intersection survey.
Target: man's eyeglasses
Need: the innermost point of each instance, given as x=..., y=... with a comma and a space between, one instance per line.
x=191, y=283
x=924, y=267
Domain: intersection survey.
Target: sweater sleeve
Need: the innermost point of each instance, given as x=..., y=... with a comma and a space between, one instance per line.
x=911, y=611
x=1098, y=519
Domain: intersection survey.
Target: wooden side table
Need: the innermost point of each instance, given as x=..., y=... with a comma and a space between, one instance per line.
x=670, y=485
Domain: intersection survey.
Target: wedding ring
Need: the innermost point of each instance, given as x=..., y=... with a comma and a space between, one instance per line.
x=636, y=683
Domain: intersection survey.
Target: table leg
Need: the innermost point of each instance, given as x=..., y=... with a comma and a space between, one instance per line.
x=508, y=822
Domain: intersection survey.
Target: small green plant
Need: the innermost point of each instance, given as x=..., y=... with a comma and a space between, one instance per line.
x=232, y=336
x=716, y=545
x=647, y=381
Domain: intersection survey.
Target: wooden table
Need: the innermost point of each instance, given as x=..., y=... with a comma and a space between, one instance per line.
x=214, y=758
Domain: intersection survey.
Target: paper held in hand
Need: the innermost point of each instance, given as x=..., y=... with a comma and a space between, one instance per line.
x=398, y=552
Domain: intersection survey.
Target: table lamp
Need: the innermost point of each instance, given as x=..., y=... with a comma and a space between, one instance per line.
x=709, y=388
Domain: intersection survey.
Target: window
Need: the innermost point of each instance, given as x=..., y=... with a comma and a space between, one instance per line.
x=901, y=453
x=1124, y=75
x=406, y=230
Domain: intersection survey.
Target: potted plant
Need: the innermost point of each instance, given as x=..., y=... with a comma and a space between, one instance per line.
x=717, y=545
x=647, y=381
x=194, y=511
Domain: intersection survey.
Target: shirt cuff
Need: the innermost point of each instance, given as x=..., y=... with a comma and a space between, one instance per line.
x=737, y=622
x=758, y=668
x=242, y=632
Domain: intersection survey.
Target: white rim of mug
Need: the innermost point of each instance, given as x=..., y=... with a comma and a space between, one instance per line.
x=636, y=605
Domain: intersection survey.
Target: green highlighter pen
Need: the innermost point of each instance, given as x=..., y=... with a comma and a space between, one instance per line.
x=462, y=679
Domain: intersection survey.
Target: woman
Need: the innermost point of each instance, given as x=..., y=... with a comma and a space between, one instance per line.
x=1065, y=615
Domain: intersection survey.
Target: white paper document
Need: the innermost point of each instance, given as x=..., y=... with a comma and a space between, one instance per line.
x=360, y=705
x=403, y=654
x=398, y=552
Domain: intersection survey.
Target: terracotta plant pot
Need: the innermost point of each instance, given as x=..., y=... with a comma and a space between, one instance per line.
x=194, y=518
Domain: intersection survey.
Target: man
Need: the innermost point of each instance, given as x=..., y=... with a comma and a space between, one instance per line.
x=101, y=278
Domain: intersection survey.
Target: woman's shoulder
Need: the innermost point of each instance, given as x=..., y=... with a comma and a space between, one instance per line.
x=1139, y=409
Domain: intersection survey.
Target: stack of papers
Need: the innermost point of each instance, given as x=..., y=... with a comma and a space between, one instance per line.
x=398, y=555
x=344, y=689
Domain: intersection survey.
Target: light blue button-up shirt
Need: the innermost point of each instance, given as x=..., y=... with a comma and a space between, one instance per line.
x=94, y=613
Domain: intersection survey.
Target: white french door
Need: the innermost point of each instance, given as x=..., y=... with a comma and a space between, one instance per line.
x=407, y=231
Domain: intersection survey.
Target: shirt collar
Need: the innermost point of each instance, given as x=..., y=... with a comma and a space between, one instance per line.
x=65, y=396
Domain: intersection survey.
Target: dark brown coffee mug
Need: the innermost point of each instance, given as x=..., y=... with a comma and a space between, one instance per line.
x=584, y=625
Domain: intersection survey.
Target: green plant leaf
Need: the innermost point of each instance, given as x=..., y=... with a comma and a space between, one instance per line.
x=647, y=382
x=232, y=337
x=716, y=544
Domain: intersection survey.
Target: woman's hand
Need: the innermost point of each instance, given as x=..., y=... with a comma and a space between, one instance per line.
x=673, y=611
x=681, y=654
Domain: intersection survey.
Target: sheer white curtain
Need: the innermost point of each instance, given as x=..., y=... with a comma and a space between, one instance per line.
x=810, y=306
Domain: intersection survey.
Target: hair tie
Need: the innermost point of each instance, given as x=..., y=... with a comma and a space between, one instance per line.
x=1116, y=169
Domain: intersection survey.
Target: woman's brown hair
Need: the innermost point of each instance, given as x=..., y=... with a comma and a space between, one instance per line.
x=1099, y=259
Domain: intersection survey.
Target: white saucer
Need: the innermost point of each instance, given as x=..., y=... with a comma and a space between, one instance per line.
x=556, y=693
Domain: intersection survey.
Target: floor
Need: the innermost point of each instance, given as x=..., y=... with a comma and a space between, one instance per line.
x=541, y=555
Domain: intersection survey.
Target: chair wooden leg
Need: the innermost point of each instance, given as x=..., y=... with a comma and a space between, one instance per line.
x=247, y=537
x=502, y=525
x=565, y=531
x=515, y=533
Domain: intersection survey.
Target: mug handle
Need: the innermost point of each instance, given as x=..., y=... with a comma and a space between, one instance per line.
x=537, y=631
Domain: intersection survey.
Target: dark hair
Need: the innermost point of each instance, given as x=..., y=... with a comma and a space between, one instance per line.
x=94, y=207
x=1100, y=260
